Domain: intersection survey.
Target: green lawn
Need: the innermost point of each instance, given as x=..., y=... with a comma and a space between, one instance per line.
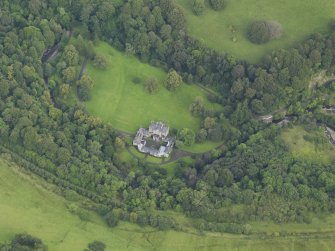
x=294, y=137
x=299, y=19
x=127, y=106
x=27, y=206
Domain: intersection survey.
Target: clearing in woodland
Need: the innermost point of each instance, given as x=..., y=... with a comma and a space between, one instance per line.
x=119, y=96
x=225, y=30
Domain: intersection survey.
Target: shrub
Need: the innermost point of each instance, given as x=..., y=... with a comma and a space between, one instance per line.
x=27, y=242
x=84, y=92
x=96, y=246
x=198, y=7
x=261, y=32
x=197, y=106
x=217, y=4
x=112, y=219
x=136, y=80
x=187, y=136
x=151, y=85
x=100, y=62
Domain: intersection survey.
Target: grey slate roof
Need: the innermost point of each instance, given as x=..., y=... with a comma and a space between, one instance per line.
x=157, y=132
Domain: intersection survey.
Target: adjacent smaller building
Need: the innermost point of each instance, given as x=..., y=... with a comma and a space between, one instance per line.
x=155, y=140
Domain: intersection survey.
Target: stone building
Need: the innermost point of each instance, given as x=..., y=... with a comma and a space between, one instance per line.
x=155, y=140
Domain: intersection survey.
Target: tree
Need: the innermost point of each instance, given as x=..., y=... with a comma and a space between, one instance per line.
x=198, y=7
x=261, y=32
x=70, y=74
x=187, y=136
x=151, y=85
x=197, y=106
x=173, y=80
x=85, y=48
x=64, y=90
x=119, y=144
x=100, y=62
x=209, y=123
x=84, y=86
x=84, y=92
x=29, y=73
x=26, y=242
x=201, y=135
x=71, y=55
x=112, y=219
x=257, y=106
x=85, y=80
x=217, y=4
x=34, y=6
x=96, y=246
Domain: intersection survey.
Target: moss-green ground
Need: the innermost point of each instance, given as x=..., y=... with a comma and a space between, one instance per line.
x=299, y=19
x=27, y=206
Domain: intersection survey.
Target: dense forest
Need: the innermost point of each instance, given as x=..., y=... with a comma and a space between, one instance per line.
x=65, y=145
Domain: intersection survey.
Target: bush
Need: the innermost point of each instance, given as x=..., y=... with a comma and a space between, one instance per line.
x=217, y=4
x=84, y=92
x=261, y=32
x=198, y=7
x=187, y=136
x=96, y=246
x=112, y=219
x=151, y=85
x=100, y=62
x=136, y=80
x=27, y=242
x=197, y=107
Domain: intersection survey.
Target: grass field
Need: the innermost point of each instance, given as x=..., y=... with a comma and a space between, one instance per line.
x=127, y=106
x=299, y=19
x=294, y=137
x=27, y=206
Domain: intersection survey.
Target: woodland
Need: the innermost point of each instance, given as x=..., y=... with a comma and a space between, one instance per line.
x=253, y=176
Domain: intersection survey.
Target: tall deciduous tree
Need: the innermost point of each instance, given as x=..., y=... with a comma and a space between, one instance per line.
x=173, y=80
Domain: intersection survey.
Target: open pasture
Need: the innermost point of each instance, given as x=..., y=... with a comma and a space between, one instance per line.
x=225, y=30
x=127, y=105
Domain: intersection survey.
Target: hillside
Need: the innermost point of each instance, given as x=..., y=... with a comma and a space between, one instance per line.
x=30, y=206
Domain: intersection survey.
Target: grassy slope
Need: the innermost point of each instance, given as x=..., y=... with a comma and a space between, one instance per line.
x=294, y=137
x=26, y=206
x=298, y=17
x=127, y=106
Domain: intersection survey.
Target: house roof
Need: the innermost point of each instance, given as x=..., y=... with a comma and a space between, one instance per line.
x=159, y=126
